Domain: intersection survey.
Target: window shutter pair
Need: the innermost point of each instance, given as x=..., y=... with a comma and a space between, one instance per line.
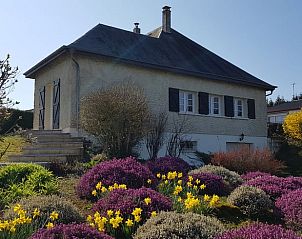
x=203, y=104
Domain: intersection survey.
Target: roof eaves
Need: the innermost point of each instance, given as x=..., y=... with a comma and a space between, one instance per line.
x=30, y=73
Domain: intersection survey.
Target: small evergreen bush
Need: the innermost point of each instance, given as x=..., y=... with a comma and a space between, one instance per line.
x=253, y=202
x=68, y=213
x=168, y=225
x=232, y=178
x=21, y=180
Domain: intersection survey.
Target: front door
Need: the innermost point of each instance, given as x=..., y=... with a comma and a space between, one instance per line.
x=42, y=108
x=56, y=105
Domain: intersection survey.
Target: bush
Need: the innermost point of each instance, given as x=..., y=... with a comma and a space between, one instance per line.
x=243, y=161
x=259, y=231
x=290, y=207
x=252, y=175
x=174, y=225
x=116, y=116
x=214, y=183
x=71, y=231
x=122, y=171
x=127, y=200
x=46, y=204
x=167, y=164
x=253, y=202
x=96, y=159
x=21, y=180
x=232, y=179
x=276, y=186
x=292, y=126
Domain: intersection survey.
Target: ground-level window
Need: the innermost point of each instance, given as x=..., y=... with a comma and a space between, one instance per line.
x=235, y=146
x=186, y=101
x=189, y=146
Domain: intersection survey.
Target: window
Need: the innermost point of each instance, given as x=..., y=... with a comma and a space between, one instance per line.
x=215, y=102
x=188, y=146
x=238, y=107
x=186, y=102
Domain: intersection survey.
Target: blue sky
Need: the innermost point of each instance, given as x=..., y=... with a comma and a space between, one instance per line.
x=262, y=37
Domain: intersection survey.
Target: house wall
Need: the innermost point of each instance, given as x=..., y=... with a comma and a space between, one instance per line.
x=61, y=69
x=211, y=132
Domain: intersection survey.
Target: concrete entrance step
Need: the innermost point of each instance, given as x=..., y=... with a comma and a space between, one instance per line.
x=54, y=150
x=58, y=139
x=58, y=144
x=38, y=158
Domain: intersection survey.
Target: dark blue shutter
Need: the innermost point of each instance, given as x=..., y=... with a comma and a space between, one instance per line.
x=173, y=100
x=251, y=109
x=229, y=106
x=56, y=105
x=203, y=103
x=42, y=108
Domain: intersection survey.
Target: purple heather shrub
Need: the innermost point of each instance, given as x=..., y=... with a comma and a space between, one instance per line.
x=289, y=206
x=252, y=175
x=121, y=171
x=127, y=200
x=167, y=164
x=69, y=231
x=214, y=183
x=259, y=231
x=276, y=186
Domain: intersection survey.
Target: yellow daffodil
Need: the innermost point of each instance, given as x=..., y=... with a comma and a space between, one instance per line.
x=163, y=177
x=179, y=199
x=110, y=213
x=54, y=215
x=122, y=186
x=177, y=190
x=197, y=181
x=94, y=192
x=118, y=212
x=158, y=175
x=166, y=181
x=137, y=211
x=149, y=181
x=36, y=213
x=179, y=182
x=89, y=219
x=179, y=175
x=137, y=218
x=98, y=186
x=153, y=214
x=206, y=198
x=189, y=184
x=190, y=178
x=49, y=225
x=147, y=200
x=129, y=223
x=202, y=186
x=195, y=187
x=104, y=189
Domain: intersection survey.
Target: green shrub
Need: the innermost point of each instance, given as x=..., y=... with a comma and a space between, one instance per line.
x=68, y=213
x=253, y=202
x=168, y=225
x=21, y=180
x=96, y=159
x=231, y=178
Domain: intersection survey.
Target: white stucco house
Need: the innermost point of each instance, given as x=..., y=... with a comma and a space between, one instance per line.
x=225, y=105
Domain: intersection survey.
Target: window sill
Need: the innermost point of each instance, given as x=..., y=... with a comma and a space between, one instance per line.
x=213, y=116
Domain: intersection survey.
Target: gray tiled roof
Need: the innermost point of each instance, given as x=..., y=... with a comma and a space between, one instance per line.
x=168, y=51
x=287, y=106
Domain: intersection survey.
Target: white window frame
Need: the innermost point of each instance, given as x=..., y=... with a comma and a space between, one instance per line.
x=236, y=105
x=186, y=100
x=212, y=105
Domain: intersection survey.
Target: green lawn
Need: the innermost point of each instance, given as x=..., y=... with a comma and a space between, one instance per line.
x=14, y=143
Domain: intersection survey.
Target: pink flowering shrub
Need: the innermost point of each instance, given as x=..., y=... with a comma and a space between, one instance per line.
x=70, y=231
x=167, y=164
x=290, y=207
x=127, y=200
x=121, y=171
x=276, y=186
x=252, y=175
x=259, y=231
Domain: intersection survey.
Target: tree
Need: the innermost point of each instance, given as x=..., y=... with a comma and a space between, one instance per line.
x=292, y=127
x=8, y=76
x=155, y=136
x=117, y=117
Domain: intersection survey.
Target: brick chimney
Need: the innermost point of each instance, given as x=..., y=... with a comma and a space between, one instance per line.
x=136, y=29
x=166, y=27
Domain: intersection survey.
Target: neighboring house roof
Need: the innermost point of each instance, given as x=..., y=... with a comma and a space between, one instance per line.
x=284, y=107
x=168, y=51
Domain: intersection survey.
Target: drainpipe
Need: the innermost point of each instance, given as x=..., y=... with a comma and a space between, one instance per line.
x=77, y=98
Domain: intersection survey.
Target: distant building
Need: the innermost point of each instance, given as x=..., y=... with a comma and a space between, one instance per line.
x=277, y=113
